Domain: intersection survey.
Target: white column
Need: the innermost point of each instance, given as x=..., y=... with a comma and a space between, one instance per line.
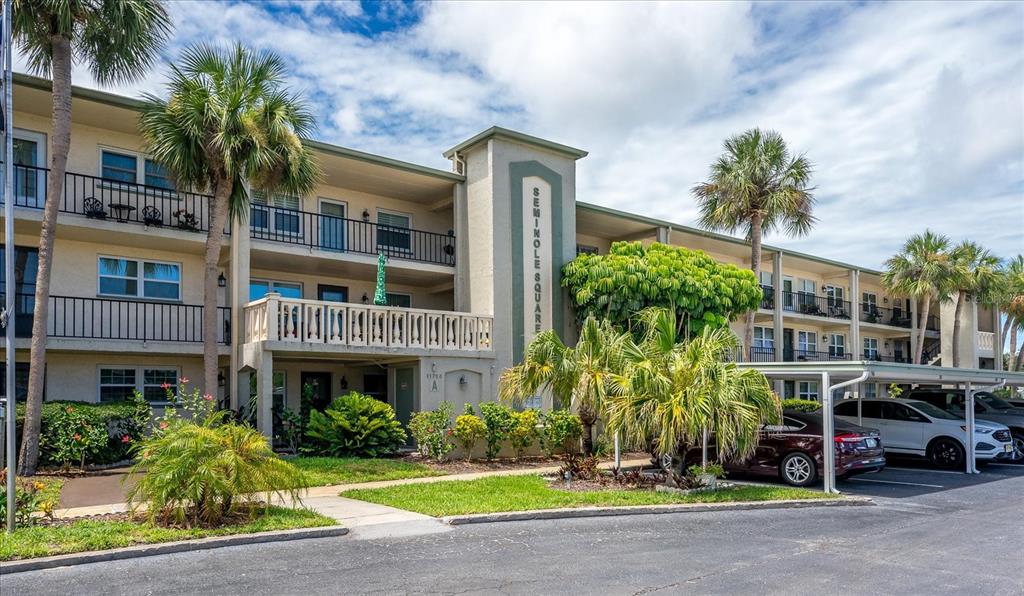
x=997, y=339
x=855, y=347
x=238, y=293
x=460, y=213
x=663, y=234
x=777, y=312
x=969, y=416
x=828, y=435
x=265, y=394
x=913, y=330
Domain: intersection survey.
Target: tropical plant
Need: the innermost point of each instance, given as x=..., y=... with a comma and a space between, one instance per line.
x=922, y=271
x=431, y=429
x=200, y=472
x=757, y=186
x=117, y=41
x=73, y=435
x=31, y=503
x=523, y=431
x=498, y=421
x=631, y=277
x=561, y=431
x=976, y=276
x=578, y=376
x=801, y=405
x=1011, y=302
x=354, y=425
x=468, y=431
x=228, y=121
x=895, y=391
x=676, y=391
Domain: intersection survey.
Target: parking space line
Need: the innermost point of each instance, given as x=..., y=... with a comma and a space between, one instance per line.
x=927, y=471
x=894, y=482
x=1006, y=465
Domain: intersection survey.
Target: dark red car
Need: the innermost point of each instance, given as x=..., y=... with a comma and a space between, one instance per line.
x=792, y=450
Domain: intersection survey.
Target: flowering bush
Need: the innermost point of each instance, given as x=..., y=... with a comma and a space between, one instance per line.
x=354, y=425
x=72, y=434
x=561, y=431
x=29, y=499
x=523, y=431
x=191, y=405
x=499, y=420
x=468, y=431
x=432, y=431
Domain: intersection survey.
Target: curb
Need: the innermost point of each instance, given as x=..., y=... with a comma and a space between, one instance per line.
x=542, y=514
x=166, y=548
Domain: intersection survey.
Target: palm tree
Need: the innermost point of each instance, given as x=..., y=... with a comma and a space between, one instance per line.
x=676, y=393
x=757, y=186
x=117, y=40
x=228, y=120
x=579, y=376
x=1011, y=302
x=977, y=277
x=922, y=271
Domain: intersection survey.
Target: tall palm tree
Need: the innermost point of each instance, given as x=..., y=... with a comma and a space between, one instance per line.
x=757, y=186
x=117, y=40
x=922, y=271
x=579, y=377
x=229, y=119
x=977, y=276
x=1011, y=302
x=676, y=392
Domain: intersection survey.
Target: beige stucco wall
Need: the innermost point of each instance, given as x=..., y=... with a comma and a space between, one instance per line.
x=71, y=376
x=421, y=298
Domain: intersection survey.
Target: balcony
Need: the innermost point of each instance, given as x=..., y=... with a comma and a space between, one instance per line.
x=808, y=304
x=337, y=324
x=986, y=344
x=73, y=317
x=342, y=235
x=869, y=313
x=108, y=200
x=768, y=299
x=789, y=355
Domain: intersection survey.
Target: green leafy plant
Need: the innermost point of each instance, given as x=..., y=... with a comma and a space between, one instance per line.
x=468, y=431
x=561, y=432
x=292, y=427
x=579, y=467
x=354, y=425
x=72, y=435
x=498, y=420
x=199, y=472
x=431, y=429
x=30, y=500
x=523, y=431
x=895, y=391
x=801, y=405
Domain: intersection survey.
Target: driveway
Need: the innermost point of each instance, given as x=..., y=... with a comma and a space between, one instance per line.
x=936, y=533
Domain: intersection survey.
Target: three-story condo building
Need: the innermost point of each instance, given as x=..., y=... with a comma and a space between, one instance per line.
x=473, y=261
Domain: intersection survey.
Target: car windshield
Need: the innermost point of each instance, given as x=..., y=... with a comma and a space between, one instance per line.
x=933, y=411
x=996, y=403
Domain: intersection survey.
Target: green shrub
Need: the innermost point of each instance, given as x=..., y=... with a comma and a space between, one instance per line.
x=561, y=431
x=123, y=423
x=523, y=431
x=801, y=405
x=468, y=431
x=31, y=501
x=498, y=420
x=432, y=429
x=199, y=472
x=354, y=425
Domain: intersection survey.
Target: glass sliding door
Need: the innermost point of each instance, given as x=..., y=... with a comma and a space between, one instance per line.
x=332, y=225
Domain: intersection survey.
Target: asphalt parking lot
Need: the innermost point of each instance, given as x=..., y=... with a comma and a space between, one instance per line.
x=912, y=478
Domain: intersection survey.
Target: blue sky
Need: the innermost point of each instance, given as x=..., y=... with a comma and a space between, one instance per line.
x=913, y=113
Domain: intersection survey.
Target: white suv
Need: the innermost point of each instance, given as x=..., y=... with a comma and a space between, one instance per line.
x=918, y=428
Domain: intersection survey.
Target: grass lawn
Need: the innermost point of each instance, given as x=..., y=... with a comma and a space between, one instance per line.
x=525, y=493
x=324, y=471
x=86, y=535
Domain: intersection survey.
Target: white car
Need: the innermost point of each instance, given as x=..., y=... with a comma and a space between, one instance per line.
x=914, y=427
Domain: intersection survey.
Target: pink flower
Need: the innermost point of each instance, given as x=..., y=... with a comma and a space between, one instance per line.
x=208, y=397
x=165, y=386
x=184, y=379
x=126, y=439
x=163, y=425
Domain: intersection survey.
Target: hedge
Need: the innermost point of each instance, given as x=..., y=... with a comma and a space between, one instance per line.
x=125, y=418
x=801, y=405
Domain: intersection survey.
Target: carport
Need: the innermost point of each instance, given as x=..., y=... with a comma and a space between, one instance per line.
x=835, y=375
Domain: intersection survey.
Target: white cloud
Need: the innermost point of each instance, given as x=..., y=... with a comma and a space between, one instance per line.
x=913, y=113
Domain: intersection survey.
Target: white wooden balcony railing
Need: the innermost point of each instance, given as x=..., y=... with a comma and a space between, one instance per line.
x=986, y=342
x=340, y=324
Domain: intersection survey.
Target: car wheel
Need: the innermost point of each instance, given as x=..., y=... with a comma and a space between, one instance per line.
x=1017, y=455
x=947, y=453
x=798, y=469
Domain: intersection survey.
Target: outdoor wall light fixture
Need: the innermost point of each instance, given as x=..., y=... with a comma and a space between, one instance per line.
x=343, y=383
x=366, y=215
x=366, y=299
x=220, y=379
x=222, y=281
x=462, y=380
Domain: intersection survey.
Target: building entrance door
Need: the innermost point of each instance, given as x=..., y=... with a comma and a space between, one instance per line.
x=405, y=394
x=319, y=384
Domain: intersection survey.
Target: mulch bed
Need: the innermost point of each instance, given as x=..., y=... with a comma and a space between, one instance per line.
x=244, y=513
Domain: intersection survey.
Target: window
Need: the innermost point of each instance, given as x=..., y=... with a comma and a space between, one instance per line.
x=835, y=295
x=399, y=300
x=125, y=166
x=583, y=249
x=764, y=337
x=282, y=215
x=837, y=345
x=258, y=288
x=393, y=231
x=807, y=390
x=871, y=348
x=870, y=391
x=20, y=380
x=26, y=261
x=279, y=391
x=869, y=302
x=120, y=382
x=140, y=279
x=767, y=279
x=807, y=342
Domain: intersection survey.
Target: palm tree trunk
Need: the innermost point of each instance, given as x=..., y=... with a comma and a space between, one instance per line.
x=214, y=240
x=956, y=328
x=1013, y=346
x=1006, y=330
x=755, y=265
x=60, y=142
x=926, y=305
x=588, y=438
x=1020, y=358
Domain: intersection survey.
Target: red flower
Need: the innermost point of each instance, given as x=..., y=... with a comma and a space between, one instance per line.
x=208, y=397
x=126, y=439
x=163, y=425
x=165, y=386
x=77, y=437
x=184, y=379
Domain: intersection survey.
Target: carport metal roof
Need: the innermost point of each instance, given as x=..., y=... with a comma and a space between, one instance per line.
x=839, y=374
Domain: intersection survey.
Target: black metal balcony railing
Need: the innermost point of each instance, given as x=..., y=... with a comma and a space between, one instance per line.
x=768, y=300
x=894, y=317
x=768, y=355
x=876, y=357
x=821, y=306
x=118, y=319
x=340, y=234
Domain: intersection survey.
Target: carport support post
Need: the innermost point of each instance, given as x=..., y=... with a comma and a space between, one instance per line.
x=969, y=418
x=828, y=443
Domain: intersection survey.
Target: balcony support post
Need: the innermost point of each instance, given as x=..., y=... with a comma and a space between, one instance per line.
x=855, y=341
x=777, y=321
x=914, y=330
x=265, y=393
x=238, y=296
x=460, y=212
x=997, y=339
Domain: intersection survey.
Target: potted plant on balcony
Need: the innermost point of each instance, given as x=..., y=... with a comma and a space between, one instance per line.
x=187, y=220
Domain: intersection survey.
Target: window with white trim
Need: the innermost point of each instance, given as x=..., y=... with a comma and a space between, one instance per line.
x=764, y=337
x=281, y=215
x=127, y=166
x=870, y=391
x=258, y=288
x=133, y=278
x=869, y=302
x=767, y=278
x=806, y=342
x=393, y=231
x=871, y=348
x=807, y=390
x=117, y=383
x=837, y=345
x=399, y=300
x=835, y=295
